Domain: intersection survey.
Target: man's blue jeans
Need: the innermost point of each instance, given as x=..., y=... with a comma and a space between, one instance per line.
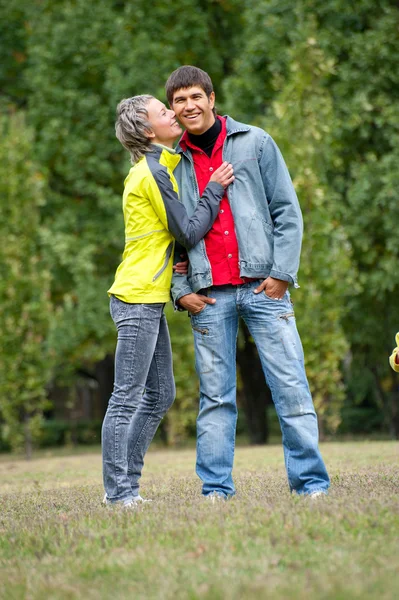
x=273, y=328
x=144, y=390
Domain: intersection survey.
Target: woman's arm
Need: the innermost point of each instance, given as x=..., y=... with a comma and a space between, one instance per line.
x=188, y=231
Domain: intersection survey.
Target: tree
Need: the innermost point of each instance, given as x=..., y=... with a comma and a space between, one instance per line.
x=300, y=117
x=358, y=178
x=320, y=76
x=25, y=318
x=75, y=61
x=367, y=116
x=303, y=122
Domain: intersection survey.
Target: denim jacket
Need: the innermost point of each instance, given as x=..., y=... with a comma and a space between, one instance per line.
x=267, y=216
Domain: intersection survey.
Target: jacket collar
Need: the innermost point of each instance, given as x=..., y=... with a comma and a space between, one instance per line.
x=169, y=156
x=232, y=127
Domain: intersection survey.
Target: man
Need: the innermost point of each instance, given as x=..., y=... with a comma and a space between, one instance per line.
x=242, y=268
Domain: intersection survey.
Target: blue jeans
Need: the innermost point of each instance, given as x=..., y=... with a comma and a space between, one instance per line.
x=144, y=390
x=273, y=328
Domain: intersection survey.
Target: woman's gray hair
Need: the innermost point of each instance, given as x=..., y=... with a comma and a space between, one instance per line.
x=132, y=125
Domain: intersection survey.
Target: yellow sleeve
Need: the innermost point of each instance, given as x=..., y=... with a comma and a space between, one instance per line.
x=392, y=358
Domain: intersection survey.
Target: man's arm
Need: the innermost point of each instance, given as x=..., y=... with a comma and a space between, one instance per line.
x=180, y=286
x=180, y=261
x=285, y=212
x=183, y=296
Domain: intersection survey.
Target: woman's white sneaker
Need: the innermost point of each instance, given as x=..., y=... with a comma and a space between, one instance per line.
x=132, y=503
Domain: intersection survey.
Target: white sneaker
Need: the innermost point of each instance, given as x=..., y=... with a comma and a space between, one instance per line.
x=215, y=497
x=130, y=503
x=139, y=500
x=317, y=494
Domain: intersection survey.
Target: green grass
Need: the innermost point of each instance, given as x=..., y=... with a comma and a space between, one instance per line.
x=57, y=541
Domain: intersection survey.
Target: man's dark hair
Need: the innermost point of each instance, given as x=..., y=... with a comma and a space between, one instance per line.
x=186, y=77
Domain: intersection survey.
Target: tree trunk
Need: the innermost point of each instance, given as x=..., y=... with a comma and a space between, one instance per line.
x=256, y=394
x=28, y=437
x=389, y=404
x=394, y=407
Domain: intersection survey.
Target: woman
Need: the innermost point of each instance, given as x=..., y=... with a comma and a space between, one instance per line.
x=144, y=385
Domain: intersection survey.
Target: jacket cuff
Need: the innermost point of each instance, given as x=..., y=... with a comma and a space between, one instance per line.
x=284, y=277
x=182, y=292
x=216, y=187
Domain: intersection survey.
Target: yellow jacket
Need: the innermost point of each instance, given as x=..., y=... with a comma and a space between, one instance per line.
x=154, y=216
x=392, y=362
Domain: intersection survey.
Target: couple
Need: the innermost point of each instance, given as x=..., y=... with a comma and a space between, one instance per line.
x=225, y=194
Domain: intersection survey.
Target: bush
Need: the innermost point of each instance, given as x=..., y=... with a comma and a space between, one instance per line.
x=60, y=433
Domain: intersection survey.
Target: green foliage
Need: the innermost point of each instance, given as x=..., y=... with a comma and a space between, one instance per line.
x=83, y=58
x=301, y=119
x=368, y=134
x=328, y=72
x=59, y=433
x=26, y=310
x=320, y=76
x=302, y=124
x=13, y=35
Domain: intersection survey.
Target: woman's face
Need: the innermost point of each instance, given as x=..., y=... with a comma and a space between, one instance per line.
x=165, y=128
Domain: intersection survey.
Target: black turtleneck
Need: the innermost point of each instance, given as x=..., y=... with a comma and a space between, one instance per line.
x=207, y=140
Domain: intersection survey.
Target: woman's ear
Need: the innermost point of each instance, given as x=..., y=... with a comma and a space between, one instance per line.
x=149, y=133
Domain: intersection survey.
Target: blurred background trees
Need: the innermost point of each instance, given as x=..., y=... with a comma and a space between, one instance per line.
x=26, y=309
x=321, y=77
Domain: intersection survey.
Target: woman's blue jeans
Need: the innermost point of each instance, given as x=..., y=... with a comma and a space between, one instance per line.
x=144, y=390
x=273, y=329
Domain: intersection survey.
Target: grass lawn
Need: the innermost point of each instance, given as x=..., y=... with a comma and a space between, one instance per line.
x=58, y=542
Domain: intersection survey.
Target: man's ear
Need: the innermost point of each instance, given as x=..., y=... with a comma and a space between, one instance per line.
x=211, y=99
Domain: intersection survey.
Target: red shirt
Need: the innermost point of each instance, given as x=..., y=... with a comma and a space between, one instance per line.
x=221, y=241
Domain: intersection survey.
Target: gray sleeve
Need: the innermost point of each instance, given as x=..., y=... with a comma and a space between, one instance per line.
x=188, y=231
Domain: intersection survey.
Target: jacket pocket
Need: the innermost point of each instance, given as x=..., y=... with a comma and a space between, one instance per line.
x=166, y=261
x=260, y=241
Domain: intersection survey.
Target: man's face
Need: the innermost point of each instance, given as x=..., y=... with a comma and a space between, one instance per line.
x=194, y=109
x=165, y=128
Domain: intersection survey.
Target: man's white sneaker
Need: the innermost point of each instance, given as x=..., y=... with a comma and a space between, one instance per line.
x=139, y=500
x=317, y=494
x=215, y=497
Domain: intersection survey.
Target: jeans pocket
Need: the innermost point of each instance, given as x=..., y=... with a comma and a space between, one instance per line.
x=276, y=299
x=117, y=309
x=193, y=315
